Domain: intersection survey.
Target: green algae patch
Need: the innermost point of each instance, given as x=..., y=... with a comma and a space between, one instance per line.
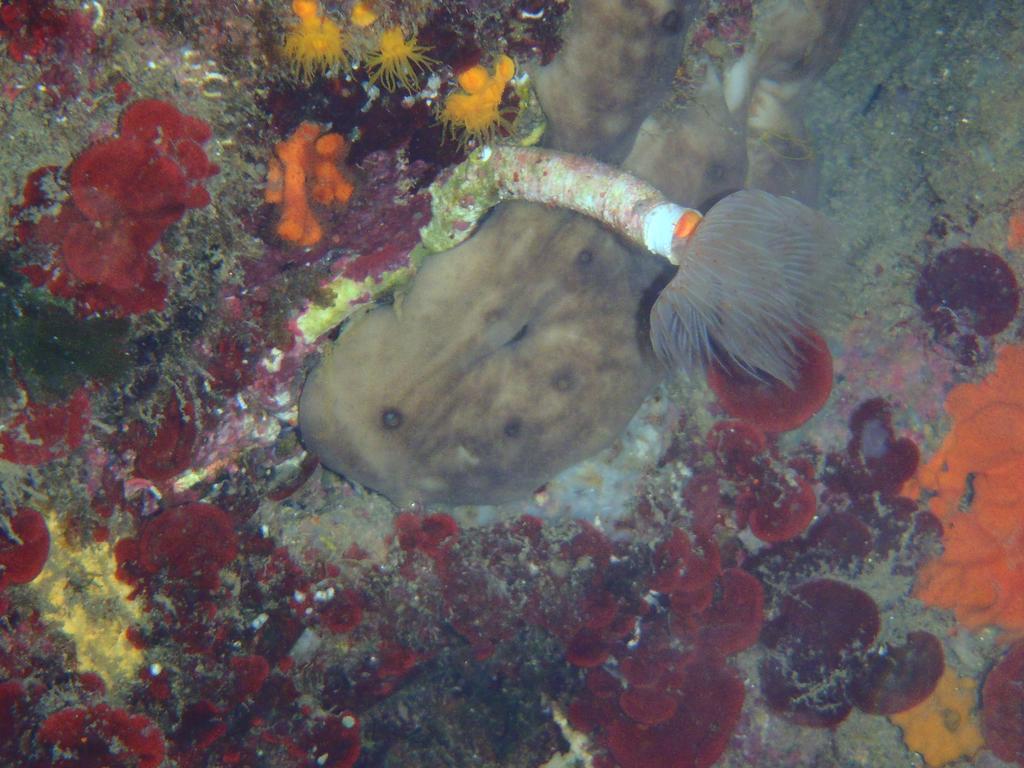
x=49, y=350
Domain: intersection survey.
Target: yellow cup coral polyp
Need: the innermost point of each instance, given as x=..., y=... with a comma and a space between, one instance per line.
x=975, y=477
x=396, y=60
x=476, y=110
x=314, y=44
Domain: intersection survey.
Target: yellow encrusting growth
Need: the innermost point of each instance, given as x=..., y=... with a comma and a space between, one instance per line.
x=944, y=727
x=84, y=598
x=476, y=109
x=314, y=44
x=396, y=60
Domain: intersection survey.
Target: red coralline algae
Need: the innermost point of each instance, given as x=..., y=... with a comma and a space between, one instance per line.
x=230, y=364
x=483, y=615
x=191, y=542
x=384, y=672
x=588, y=648
x=125, y=192
x=721, y=611
x=430, y=534
x=13, y=709
x=342, y=612
x=648, y=706
x=1002, y=702
x=768, y=403
x=674, y=702
x=23, y=559
x=36, y=193
x=816, y=645
x=42, y=433
x=102, y=737
x=334, y=741
x=250, y=674
x=35, y=29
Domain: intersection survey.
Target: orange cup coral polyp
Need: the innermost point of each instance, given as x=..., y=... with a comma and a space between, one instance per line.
x=977, y=478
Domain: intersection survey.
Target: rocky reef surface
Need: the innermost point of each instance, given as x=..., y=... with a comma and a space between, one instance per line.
x=201, y=198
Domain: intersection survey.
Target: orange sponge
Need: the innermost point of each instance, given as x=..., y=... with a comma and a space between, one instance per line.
x=308, y=164
x=979, y=496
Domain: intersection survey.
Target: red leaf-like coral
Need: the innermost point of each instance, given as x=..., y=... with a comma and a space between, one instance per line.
x=125, y=192
x=648, y=706
x=41, y=433
x=167, y=453
x=587, y=649
x=733, y=621
x=21, y=562
x=709, y=702
x=191, y=542
x=770, y=404
x=779, y=511
x=336, y=738
x=102, y=737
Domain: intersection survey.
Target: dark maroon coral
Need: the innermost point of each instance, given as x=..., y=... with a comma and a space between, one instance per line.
x=888, y=460
x=841, y=538
x=876, y=460
x=817, y=644
x=1002, y=707
x=38, y=29
x=967, y=287
x=23, y=553
x=902, y=677
x=965, y=293
x=14, y=706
